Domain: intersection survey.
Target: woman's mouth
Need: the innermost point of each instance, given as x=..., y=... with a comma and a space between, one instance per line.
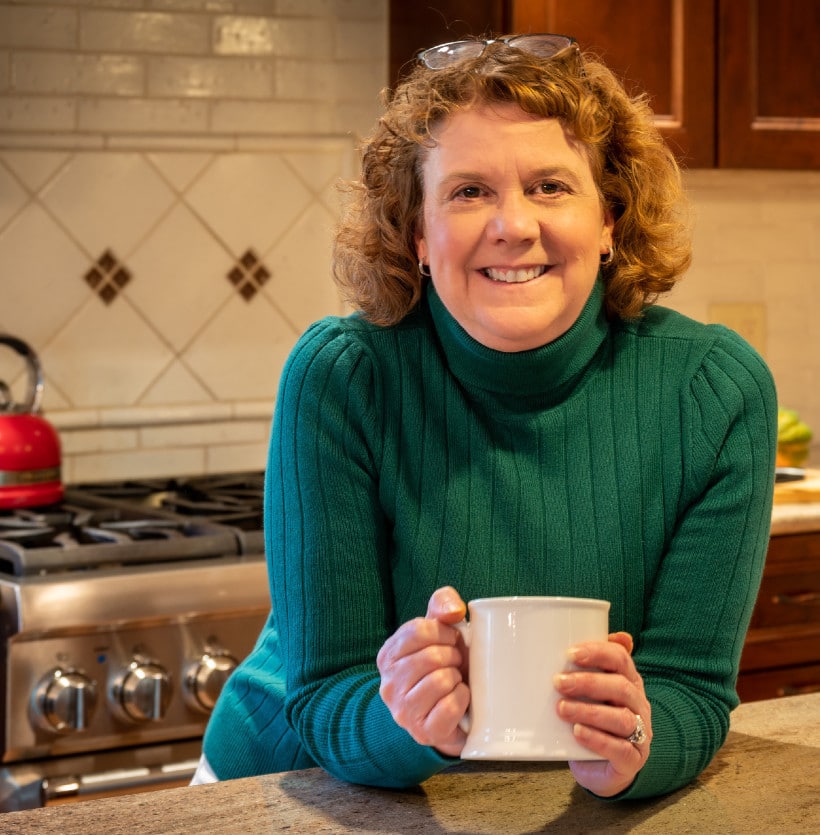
x=514, y=276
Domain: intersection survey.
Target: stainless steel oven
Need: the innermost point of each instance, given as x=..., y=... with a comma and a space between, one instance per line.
x=123, y=610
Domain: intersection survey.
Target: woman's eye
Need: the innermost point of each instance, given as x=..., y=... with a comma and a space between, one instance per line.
x=469, y=192
x=550, y=187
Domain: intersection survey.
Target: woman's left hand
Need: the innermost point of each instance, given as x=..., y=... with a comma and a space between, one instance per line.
x=605, y=723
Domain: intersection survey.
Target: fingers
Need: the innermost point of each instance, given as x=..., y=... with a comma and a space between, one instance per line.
x=421, y=677
x=446, y=605
x=601, y=698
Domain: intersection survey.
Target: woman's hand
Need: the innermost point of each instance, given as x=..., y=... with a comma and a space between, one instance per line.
x=604, y=725
x=422, y=667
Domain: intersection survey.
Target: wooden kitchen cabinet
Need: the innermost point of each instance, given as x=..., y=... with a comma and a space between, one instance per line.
x=768, y=84
x=733, y=83
x=662, y=47
x=781, y=656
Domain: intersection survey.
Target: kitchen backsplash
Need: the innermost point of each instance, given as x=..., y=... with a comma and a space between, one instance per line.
x=168, y=175
x=167, y=199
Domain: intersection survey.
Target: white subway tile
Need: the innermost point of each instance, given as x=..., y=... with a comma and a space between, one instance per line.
x=212, y=6
x=41, y=26
x=226, y=458
x=31, y=138
x=152, y=32
x=356, y=119
x=61, y=72
x=239, y=78
x=302, y=8
x=356, y=81
x=38, y=113
x=361, y=9
x=143, y=115
x=272, y=117
x=234, y=35
x=203, y=434
x=109, y=465
x=362, y=41
x=5, y=70
x=347, y=9
x=83, y=441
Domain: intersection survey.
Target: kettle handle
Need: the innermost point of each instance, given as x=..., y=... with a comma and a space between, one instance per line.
x=35, y=374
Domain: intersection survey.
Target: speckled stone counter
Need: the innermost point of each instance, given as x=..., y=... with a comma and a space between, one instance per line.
x=765, y=779
x=795, y=518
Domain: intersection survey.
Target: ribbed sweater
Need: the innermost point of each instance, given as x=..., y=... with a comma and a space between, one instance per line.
x=626, y=461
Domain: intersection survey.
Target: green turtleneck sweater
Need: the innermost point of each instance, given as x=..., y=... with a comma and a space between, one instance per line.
x=625, y=461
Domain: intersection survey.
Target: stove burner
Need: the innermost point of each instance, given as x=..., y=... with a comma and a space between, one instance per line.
x=136, y=522
x=224, y=499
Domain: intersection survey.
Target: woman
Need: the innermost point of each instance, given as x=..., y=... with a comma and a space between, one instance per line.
x=509, y=413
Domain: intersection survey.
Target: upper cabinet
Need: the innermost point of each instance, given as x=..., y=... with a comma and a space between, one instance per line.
x=768, y=84
x=733, y=83
x=415, y=26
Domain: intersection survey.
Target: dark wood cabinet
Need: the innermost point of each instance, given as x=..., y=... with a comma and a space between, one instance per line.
x=781, y=656
x=661, y=47
x=415, y=26
x=768, y=84
x=733, y=83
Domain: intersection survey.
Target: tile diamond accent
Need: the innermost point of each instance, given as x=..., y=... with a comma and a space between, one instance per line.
x=107, y=277
x=248, y=275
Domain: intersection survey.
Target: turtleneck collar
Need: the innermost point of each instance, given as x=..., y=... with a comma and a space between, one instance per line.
x=547, y=373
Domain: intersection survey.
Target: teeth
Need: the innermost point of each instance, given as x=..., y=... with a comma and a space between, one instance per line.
x=514, y=276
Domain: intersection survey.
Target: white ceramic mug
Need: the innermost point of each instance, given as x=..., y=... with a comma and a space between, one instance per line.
x=516, y=646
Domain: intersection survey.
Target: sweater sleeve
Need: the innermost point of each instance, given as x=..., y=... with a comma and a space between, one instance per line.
x=328, y=549
x=701, y=599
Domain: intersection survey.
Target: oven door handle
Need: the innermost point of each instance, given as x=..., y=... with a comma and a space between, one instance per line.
x=118, y=780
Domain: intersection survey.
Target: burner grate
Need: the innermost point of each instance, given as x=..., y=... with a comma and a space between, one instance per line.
x=70, y=538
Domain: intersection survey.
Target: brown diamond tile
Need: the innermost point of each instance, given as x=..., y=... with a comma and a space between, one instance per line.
x=107, y=277
x=248, y=275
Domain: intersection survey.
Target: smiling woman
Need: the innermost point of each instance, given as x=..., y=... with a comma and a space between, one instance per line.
x=509, y=413
x=513, y=247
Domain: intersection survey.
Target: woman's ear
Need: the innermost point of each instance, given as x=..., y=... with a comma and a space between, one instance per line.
x=421, y=246
x=607, y=236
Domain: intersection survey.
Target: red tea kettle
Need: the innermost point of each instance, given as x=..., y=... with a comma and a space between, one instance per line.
x=30, y=460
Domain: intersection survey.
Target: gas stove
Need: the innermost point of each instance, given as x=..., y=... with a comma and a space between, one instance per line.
x=123, y=610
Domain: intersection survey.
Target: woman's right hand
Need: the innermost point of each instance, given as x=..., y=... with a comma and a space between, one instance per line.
x=423, y=667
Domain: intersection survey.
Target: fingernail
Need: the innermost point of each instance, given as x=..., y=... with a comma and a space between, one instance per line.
x=562, y=682
x=577, y=655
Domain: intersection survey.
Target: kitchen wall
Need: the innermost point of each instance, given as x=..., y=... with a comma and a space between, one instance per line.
x=167, y=198
x=756, y=268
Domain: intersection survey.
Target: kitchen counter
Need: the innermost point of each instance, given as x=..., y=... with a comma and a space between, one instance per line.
x=801, y=517
x=766, y=778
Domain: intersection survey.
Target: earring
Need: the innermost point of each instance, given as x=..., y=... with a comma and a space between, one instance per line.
x=608, y=257
x=424, y=269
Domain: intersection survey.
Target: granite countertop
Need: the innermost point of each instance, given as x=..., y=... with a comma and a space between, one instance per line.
x=801, y=517
x=765, y=779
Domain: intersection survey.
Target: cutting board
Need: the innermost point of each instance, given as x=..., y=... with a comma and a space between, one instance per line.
x=807, y=490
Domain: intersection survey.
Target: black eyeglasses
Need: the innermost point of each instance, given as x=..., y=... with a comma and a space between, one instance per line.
x=540, y=45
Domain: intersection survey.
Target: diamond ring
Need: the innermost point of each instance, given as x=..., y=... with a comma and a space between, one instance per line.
x=637, y=736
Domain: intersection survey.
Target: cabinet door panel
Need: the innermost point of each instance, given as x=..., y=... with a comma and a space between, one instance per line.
x=662, y=47
x=415, y=26
x=769, y=91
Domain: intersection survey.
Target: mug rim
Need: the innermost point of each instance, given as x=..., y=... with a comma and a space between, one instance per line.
x=558, y=600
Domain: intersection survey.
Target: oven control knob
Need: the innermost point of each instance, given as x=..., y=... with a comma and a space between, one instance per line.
x=64, y=701
x=205, y=678
x=142, y=692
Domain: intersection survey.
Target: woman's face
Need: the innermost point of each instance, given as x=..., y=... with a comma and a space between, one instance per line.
x=512, y=225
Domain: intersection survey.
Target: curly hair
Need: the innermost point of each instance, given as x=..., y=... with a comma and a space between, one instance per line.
x=638, y=180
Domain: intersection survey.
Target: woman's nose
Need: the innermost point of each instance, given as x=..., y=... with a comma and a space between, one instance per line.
x=514, y=219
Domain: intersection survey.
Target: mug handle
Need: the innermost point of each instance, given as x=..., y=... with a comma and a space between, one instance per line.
x=463, y=626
